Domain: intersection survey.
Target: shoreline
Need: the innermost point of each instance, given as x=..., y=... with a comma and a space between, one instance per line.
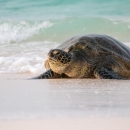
x=22, y=76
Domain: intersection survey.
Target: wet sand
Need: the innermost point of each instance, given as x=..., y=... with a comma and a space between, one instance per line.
x=60, y=104
x=68, y=124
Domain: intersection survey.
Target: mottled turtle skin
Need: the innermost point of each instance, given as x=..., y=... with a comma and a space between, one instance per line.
x=90, y=56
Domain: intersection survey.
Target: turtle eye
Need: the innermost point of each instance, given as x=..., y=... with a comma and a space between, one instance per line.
x=55, y=52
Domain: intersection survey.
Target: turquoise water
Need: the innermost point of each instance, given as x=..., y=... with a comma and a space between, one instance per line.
x=29, y=28
x=55, y=9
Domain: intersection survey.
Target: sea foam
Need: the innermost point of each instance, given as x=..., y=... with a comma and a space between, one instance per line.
x=21, y=65
x=25, y=58
x=19, y=31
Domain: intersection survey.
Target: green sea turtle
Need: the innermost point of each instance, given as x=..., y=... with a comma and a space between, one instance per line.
x=90, y=56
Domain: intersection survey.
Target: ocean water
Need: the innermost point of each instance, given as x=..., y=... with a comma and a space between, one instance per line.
x=30, y=28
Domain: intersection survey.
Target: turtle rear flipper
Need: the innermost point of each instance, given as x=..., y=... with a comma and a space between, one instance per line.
x=106, y=73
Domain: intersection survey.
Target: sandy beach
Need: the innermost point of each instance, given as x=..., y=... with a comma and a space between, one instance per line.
x=28, y=30
x=68, y=124
x=60, y=104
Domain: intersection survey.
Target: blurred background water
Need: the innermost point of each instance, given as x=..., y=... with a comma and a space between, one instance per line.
x=30, y=28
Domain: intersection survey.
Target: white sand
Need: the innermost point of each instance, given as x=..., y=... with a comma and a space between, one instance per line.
x=63, y=104
x=68, y=124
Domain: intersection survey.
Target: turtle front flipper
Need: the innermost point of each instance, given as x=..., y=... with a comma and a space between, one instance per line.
x=49, y=74
x=106, y=73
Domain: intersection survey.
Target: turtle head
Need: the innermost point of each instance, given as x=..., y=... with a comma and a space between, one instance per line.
x=59, y=60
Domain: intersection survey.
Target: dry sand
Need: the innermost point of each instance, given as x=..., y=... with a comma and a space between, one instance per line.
x=63, y=104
